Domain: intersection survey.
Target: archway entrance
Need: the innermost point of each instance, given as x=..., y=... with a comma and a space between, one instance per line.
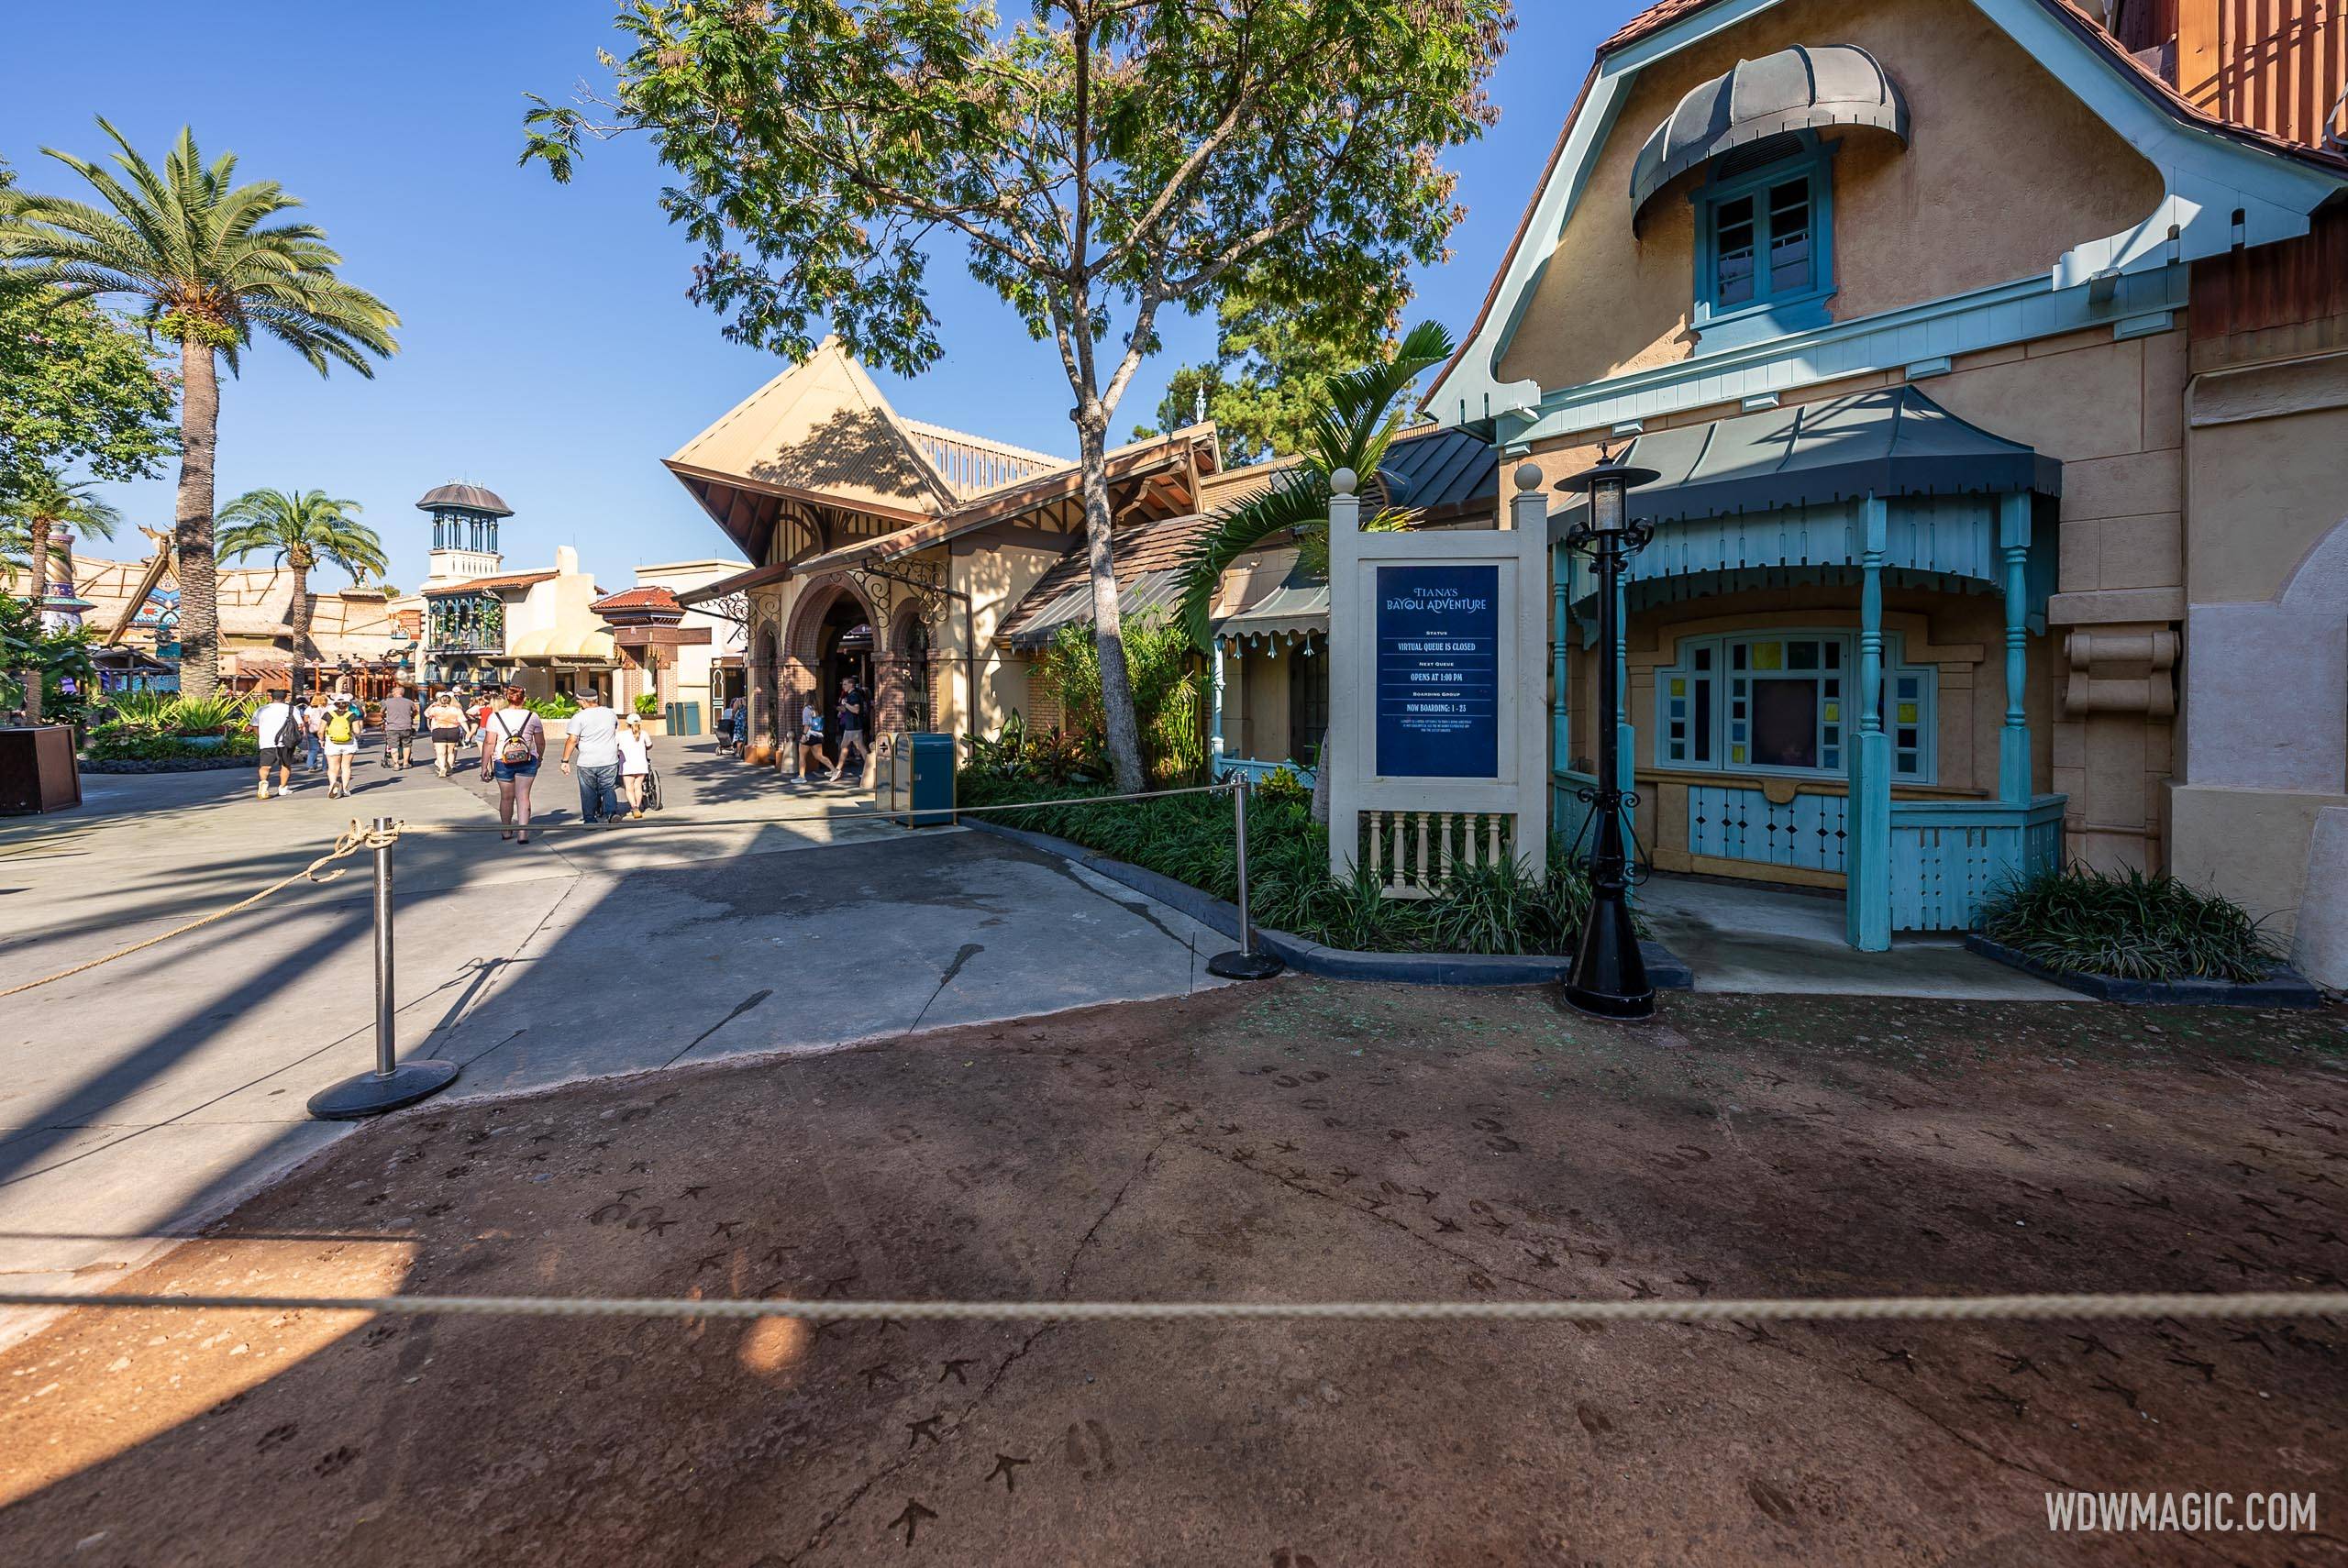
x=843, y=647
x=765, y=696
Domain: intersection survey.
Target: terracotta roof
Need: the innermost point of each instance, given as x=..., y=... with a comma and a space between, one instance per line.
x=1654, y=19
x=506, y=580
x=639, y=599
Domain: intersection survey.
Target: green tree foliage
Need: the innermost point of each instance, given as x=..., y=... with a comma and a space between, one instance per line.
x=1101, y=161
x=1268, y=380
x=76, y=387
x=302, y=528
x=212, y=263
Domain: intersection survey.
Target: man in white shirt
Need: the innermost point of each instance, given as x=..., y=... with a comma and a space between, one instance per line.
x=594, y=741
x=277, y=731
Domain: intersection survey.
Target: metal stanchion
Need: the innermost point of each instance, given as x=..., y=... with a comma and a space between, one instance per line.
x=394, y=1083
x=1246, y=963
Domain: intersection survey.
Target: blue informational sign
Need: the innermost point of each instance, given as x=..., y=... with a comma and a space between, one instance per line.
x=1438, y=671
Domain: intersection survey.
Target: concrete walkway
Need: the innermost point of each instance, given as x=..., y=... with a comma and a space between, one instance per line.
x=1745, y=937
x=142, y=1095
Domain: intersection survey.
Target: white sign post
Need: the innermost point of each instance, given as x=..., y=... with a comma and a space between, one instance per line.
x=1439, y=719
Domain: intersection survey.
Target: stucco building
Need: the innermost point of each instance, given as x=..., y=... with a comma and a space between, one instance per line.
x=1994, y=358
x=485, y=625
x=895, y=550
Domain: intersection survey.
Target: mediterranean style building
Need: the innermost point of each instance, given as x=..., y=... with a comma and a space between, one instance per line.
x=1993, y=356
x=482, y=624
x=894, y=550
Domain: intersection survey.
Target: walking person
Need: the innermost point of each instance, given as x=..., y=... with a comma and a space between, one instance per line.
x=277, y=731
x=445, y=722
x=856, y=723
x=339, y=731
x=513, y=744
x=810, y=742
x=314, y=718
x=723, y=725
x=636, y=765
x=400, y=715
x=594, y=742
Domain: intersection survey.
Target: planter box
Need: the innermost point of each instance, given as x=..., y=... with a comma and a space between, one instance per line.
x=216, y=764
x=37, y=771
x=657, y=725
x=2283, y=986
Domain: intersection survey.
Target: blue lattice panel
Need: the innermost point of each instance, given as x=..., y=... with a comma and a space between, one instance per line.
x=1731, y=822
x=1949, y=857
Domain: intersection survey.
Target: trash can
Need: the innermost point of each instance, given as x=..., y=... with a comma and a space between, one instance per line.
x=684, y=718
x=915, y=777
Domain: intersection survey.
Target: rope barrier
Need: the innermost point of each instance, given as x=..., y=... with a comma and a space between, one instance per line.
x=359, y=836
x=350, y=841
x=844, y=813
x=1975, y=1308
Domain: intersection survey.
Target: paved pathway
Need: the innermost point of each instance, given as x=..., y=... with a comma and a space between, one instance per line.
x=141, y=1096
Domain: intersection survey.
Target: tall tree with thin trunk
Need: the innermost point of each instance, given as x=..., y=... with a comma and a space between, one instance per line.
x=212, y=263
x=302, y=528
x=39, y=504
x=1102, y=160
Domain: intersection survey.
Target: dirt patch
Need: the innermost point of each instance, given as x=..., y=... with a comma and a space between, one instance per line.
x=1302, y=1140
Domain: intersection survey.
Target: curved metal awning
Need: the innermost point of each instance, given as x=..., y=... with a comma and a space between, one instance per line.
x=1773, y=499
x=1794, y=89
x=1278, y=599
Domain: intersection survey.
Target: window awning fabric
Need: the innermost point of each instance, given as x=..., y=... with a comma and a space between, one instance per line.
x=1281, y=599
x=1794, y=89
x=1891, y=442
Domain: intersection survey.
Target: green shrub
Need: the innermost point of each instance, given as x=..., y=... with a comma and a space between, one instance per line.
x=1189, y=838
x=561, y=705
x=647, y=704
x=140, y=743
x=1165, y=674
x=2127, y=926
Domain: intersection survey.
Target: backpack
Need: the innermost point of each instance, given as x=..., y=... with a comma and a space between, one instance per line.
x=289, y=734
x=339, y=727
x=516, y=751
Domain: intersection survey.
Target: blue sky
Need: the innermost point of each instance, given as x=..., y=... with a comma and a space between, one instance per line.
x=548, y=350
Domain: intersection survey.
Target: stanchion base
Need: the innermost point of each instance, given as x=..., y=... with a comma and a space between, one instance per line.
x=1236, y=966
x=371, y=1094
x=1606, y=1005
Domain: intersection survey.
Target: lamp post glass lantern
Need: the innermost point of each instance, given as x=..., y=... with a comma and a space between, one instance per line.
x=1609, y=978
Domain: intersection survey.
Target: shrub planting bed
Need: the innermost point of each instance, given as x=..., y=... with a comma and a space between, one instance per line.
x=2124, y=936
x=1483, y=910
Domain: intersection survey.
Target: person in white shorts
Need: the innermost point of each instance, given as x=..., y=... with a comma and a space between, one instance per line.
x=338, y=736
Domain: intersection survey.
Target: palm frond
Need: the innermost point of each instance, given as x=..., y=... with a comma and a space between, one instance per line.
x=1359, y=423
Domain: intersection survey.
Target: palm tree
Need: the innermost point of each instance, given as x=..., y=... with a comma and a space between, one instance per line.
x=302, y=528
x=43, y=502
x=1361, y=417
x=215, y=263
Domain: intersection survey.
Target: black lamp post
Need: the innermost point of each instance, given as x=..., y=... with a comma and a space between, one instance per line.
x=1609, y=977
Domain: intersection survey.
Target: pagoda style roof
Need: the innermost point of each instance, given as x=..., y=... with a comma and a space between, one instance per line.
x=464, y=498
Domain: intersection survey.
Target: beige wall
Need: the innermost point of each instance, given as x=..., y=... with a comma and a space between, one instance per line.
x=2006, y=171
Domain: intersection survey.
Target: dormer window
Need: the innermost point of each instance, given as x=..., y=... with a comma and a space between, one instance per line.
x=1764, y=244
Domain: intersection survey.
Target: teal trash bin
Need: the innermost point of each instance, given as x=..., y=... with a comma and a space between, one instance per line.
x=684, y=718
x=916, y=778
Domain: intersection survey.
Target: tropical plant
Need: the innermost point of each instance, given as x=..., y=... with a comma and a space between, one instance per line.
x=302, y=528
x=647, y=704
x=37, y=661
x=40, y=501
x=561, y=705
x=214, y=263
x=1106, y=161
x=1362, y=414
x=1166, y=689
x=2127, y=925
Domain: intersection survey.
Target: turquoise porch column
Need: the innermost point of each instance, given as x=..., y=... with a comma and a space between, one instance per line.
x=1561, y=623
x=1214, y=743
x=1867, y=902
x=2013, y=740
